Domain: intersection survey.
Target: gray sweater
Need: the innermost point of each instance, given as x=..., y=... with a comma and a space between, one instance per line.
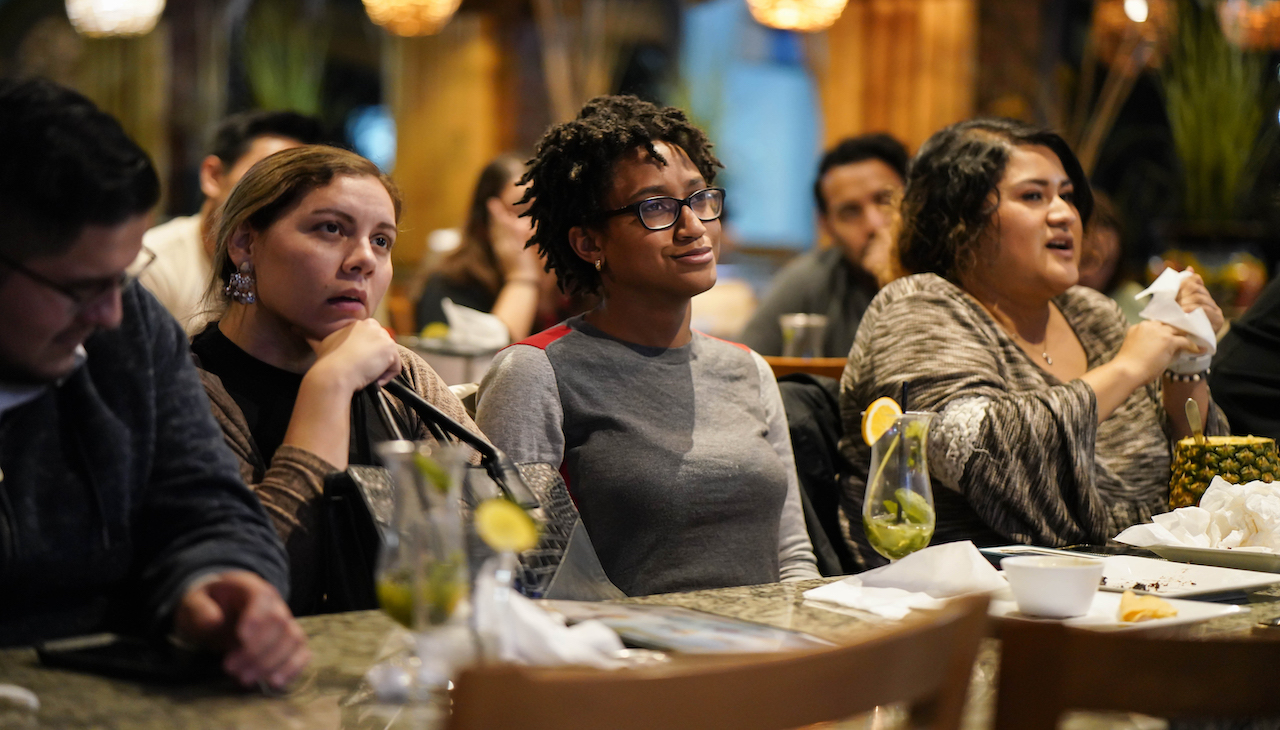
x=678, y=459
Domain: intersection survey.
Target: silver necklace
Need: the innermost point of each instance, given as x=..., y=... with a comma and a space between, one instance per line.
x=1043, y=353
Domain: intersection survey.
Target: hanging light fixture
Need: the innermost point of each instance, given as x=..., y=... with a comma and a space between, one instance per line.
x=102, y=18
x=801, y=15
x=411, y=17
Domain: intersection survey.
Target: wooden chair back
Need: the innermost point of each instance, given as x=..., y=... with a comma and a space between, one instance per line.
x=1047, y=669
x=832, y=367
x=926, y=662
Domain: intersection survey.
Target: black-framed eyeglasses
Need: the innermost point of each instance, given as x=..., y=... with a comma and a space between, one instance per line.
x=662, y=212
x=84, y=294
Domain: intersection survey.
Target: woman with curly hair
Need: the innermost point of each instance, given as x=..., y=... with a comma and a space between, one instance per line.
x=674, y=444
x=1055, y=419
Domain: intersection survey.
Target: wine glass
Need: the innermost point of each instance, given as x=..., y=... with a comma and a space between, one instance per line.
x=897, y=510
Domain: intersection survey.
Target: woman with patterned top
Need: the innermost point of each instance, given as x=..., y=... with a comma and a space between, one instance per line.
x=1055, y=423
x=674, y=444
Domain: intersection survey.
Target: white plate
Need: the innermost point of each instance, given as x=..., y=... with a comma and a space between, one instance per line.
x=1166, y=579
x=1102, y=613
x=1159, y=577
x=1267, y=562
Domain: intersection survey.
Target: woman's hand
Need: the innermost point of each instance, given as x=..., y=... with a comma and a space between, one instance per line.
x=357, y=355
x=509, y=233
x=1193, y=293
x=346, y=361
x=1149, y=347
x=1146, y=352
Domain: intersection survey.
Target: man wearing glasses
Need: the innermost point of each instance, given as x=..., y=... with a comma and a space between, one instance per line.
x=120, y=507
x=857, y=183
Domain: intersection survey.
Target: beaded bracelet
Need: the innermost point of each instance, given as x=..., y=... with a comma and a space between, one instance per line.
x=1188, y=378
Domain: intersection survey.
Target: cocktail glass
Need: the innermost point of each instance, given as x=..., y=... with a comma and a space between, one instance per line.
x=897, y=510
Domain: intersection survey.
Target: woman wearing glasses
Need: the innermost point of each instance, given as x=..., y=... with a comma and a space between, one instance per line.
x=674, y=444
x=303, y=257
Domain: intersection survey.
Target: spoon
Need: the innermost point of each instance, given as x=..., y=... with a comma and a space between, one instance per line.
x=1193, y=418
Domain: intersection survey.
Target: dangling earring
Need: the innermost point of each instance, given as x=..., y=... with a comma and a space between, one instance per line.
x=599, y=264
x=240, y=288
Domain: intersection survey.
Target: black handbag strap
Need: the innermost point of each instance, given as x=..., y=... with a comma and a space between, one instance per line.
x=500, y=467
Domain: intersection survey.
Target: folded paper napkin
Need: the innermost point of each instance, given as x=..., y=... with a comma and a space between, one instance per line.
x=1240, y=516
x=515, y=629
x=1164, y=307
x=916, y=581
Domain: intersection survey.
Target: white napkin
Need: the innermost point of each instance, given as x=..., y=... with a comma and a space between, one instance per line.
x=916, y=581
x=471, y=329
x=516, y=630
x=1164, y=307
x=1239, y=516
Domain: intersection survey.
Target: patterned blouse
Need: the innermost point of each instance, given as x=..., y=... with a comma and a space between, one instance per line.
x=1015, y=455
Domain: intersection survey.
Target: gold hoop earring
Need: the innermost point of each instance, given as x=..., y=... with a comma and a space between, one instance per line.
x=599, y=264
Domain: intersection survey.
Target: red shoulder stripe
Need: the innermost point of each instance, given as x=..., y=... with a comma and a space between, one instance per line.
x=738, y=345
x=546, y=337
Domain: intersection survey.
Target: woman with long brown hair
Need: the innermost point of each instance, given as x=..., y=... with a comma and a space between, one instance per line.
x=303, y=258
x=491, y=270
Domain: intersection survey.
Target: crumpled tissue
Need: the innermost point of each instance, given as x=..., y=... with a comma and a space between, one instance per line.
x=509, y=628
x=916, y=581
x=471, y=329
x=1238, y=516
x=515, y=629
x=1164, y=307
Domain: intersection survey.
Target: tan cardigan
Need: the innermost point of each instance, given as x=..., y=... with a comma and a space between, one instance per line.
x=290, y=487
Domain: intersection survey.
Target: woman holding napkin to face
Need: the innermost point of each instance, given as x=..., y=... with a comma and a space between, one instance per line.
x=1056, y=421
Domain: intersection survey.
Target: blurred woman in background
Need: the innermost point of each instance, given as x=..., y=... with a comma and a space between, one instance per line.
x=490, y=270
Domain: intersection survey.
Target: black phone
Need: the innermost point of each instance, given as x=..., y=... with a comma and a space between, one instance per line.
x=130, y=657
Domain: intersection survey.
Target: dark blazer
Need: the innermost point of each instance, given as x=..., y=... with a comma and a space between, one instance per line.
x=118, y=490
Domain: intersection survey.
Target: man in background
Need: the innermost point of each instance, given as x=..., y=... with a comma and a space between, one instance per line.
x=121, y=508
x=184, y=246
x=858, y=180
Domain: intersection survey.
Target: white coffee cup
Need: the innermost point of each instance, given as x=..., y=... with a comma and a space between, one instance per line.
x=1053, y=587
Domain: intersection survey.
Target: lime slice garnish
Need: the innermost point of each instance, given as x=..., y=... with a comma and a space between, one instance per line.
x=504, y=526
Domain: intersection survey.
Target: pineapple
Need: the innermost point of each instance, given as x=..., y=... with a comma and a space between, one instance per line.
x=1238, y=459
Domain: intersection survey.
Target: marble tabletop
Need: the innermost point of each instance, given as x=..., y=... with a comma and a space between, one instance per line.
x=330, y=694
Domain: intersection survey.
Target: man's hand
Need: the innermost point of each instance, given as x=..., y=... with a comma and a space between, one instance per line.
x=242, y=615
